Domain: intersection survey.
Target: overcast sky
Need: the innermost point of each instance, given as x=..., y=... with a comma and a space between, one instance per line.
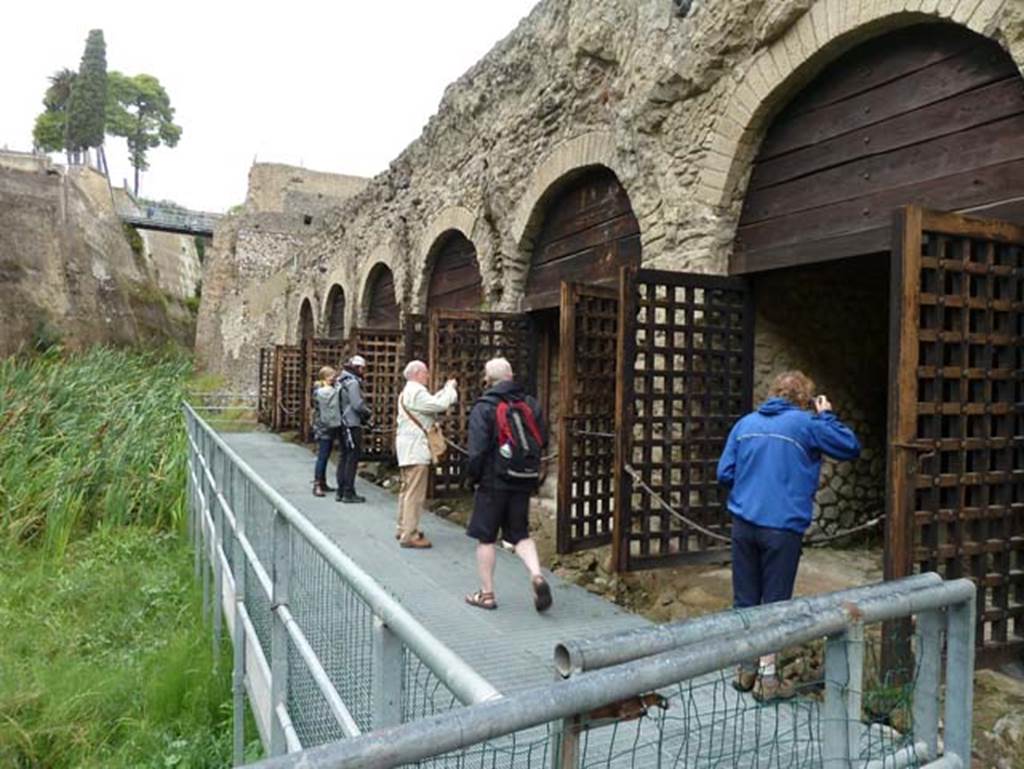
x=337, y=86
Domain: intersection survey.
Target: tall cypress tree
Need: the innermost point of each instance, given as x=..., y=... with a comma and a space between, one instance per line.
x=86, y=121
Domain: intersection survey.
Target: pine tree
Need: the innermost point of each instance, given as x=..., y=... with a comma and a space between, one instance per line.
x=140, y=110
x=86, y=120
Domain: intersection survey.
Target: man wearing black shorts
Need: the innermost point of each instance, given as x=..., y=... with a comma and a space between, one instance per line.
x=500, y=502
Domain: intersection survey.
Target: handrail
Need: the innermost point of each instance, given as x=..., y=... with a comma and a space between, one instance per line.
x=457, y=729
x=468, y=685
x=576, y=656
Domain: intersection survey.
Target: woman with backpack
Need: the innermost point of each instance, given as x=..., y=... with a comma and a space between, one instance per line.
x=326, y=423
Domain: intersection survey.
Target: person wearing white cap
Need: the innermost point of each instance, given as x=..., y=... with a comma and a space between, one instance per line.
x=354, y=414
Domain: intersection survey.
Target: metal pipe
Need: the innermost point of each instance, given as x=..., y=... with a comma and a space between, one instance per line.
x=900, y=759
x=948, y=761
x=465, y=682
x=291, y=737
x=316, y=670
x=457, y=729
x=575, y=656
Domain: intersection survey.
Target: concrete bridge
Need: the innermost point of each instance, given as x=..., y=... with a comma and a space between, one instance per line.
x=351, y=651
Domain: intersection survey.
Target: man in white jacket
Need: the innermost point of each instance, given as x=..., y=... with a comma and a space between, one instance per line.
x=417, y=411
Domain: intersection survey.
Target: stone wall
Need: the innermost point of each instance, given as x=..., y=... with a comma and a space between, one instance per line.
x=831, y=321
x=674, y=106
x=247, y=275
x=67, y=271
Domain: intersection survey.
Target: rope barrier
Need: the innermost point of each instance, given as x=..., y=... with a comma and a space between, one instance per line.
x=811, y=542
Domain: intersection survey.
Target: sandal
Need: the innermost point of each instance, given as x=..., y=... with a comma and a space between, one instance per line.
x=541, y=594
x=482, y=600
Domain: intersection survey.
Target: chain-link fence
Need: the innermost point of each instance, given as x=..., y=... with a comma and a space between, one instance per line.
x=321, y=651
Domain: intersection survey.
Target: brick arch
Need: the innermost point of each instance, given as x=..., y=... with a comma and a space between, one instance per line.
x=827, y=30
x=597, y=148
x=380, y=259
x=470, y=225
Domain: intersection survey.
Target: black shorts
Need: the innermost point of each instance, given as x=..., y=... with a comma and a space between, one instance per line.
x=506, y=510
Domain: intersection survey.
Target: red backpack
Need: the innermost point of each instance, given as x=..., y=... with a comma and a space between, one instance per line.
x=519, y=442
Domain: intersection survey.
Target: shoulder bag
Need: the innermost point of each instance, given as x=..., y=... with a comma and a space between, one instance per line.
x=435, y=435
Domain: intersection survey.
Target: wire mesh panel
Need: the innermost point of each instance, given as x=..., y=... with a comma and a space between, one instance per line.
x=317, y=353
x=685, y=377
x=461, y=342
x=288, y=380
x=265, y=387
x=586, y=462
x=957, y=465
x=384, y=350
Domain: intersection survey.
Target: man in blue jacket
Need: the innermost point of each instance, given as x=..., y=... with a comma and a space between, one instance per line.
x=772, y=467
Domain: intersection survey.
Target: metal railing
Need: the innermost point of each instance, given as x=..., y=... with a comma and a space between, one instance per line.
x=637, y=669
x=320, y=650
x=326, y=657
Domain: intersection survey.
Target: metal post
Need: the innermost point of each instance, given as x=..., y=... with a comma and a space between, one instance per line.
x=566, y=754
x=928, y=682
x=204, y=483
x=387, y=676
x=959, y=679
x=279, y=636
x=218, y=573
x=844, y=680
x=238, y=646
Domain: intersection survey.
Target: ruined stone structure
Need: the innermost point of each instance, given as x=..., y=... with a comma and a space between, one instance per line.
x=67, y=270
x=674, y=112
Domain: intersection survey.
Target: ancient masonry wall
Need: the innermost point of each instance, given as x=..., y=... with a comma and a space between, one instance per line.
x=676, y=107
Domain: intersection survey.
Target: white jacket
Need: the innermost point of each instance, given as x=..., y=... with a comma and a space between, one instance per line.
x=410, y=441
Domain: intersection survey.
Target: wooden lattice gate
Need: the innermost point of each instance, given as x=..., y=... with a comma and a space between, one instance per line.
x=461, y=342
x=384, y=350
x=288, y=388
x=685, y=375
x=589, y=320
x=317, y=353
x=956, y=483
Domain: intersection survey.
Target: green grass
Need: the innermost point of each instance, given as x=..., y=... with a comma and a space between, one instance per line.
x=104, y=657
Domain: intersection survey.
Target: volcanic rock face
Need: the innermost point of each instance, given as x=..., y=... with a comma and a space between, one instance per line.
x=67, y=271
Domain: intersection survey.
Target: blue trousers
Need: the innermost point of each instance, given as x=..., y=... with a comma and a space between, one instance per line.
x=323, y=453
x=764, y=563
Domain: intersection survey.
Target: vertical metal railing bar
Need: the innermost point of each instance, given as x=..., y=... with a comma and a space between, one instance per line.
x=458, y=676
x=291, y=738
x=238, y=644
x=279, y=663
x=927, y=683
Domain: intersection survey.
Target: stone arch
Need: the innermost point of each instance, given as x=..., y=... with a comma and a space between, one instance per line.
x=468, y=224
x=382, y=256
x=306, y=328
x=335, y=310
x=597, y=148
x=826, y=31
x=379, y=307
x=586, y=230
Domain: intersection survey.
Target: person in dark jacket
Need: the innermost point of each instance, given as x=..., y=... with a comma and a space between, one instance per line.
x=500, y=502
x=772, y=467
x=326, y=424
x=354, y=414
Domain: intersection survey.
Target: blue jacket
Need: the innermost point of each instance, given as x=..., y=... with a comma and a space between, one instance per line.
x=772, y=463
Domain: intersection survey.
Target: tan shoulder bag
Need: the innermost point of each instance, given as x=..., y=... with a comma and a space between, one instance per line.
x=435, y=435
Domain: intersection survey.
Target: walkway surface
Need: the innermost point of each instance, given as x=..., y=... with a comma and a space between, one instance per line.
x=511, y=647
x=706, y=722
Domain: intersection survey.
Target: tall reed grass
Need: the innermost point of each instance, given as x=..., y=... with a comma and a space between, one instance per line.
x=89, y=440
x=104, y=657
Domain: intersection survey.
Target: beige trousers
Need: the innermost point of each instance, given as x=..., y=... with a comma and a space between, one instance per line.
x=411, y=499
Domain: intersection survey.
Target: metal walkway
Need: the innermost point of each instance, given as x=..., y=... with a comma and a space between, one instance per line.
x=511, y=647
x=344, y=640
x=179, y=221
